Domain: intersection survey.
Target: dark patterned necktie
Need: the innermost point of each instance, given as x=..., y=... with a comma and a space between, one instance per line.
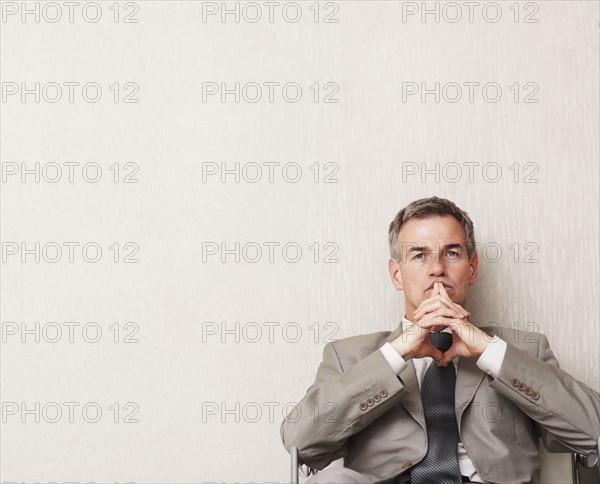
x=440, y=465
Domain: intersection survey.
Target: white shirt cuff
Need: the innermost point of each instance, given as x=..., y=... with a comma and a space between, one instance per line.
x=396, y=362
x=492, y=357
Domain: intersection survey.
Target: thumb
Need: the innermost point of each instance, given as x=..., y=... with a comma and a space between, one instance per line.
x=436, y=354
x=448, y=356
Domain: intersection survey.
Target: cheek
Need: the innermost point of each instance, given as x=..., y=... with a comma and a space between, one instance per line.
x=417, y=295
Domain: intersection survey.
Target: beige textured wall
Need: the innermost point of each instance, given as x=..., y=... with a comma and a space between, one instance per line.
x=197, y=403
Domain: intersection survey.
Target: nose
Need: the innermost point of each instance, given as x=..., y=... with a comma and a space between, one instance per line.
x=437, y=267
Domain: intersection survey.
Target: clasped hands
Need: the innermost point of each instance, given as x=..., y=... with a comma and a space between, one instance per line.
x=435, y=314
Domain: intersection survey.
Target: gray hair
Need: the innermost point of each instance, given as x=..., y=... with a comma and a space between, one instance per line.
x=427, y=207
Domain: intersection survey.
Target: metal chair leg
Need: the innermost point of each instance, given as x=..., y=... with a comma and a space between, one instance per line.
x=575, y=464
x=295, y=466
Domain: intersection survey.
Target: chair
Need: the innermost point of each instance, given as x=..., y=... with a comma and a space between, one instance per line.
x=297, y=467
x=577, y=461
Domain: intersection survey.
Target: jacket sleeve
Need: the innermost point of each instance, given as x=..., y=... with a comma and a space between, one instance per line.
x=564, y=409
x=338, y=405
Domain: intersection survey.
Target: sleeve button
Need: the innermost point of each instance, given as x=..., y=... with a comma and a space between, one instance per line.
x=370, y=402
x=383, y=393
x=535, y=396
x=406, y=464
x=528, y=391
x=522, y=387
x=376, y=397
x=515, y=382
x=363, y=406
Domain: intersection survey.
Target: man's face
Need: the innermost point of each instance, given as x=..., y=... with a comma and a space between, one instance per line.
x=432, y=249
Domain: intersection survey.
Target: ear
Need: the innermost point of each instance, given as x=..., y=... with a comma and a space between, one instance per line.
x=394, y=270
x=473, y=265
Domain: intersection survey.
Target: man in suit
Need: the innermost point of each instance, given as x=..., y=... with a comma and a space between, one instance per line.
x=366, y=403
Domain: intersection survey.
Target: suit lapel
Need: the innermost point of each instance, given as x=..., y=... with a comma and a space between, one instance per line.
x=411, y=399
x=468, y=379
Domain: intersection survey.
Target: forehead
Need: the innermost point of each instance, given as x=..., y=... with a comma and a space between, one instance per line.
x=431, y=230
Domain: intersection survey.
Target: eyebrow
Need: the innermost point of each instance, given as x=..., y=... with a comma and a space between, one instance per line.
x=422, y=248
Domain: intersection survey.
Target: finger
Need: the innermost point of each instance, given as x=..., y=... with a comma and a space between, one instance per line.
x=443, y=312
x=456, y=325
x=447, y=300
x=443, y=291
x=457, y=307
x=438, y=317
x=425, y=307
x=435, y=305
x=460, y=331
x=432, y=351
x=438, y=323
x=430, y=304
x=436, y=326
x=461, y=334
x=438, y=299
x=471, y=337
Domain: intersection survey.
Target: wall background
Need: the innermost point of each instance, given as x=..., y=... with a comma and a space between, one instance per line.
x=209, y=396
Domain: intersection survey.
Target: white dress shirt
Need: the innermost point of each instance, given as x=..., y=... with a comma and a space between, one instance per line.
x=490, y=361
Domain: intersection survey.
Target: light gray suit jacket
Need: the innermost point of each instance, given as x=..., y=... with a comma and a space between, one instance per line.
x=359, y=409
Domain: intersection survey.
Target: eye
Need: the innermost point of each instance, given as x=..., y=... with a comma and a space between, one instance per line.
x=453, y=254
x=419, y=256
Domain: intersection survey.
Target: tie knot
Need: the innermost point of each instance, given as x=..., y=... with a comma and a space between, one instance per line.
x=442, y=341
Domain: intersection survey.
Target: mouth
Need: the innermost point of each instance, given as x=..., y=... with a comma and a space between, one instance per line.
x=446, y=286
